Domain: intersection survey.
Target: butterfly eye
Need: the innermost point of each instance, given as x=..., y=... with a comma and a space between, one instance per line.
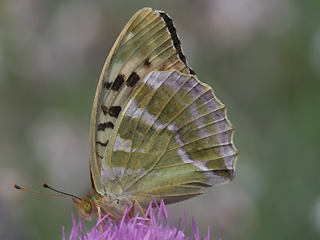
x=87, y=207
x=117, y=201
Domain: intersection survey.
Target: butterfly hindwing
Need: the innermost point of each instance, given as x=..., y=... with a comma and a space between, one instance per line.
x=148, y=42
x=172, y=140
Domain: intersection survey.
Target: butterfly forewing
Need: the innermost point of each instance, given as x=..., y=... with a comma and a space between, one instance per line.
x=148, y=42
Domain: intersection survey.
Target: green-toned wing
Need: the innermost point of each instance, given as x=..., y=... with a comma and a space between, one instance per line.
x=171, y=141
x=148, y=42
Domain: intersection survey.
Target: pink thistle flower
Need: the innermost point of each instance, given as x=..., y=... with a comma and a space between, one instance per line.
x=159, y=225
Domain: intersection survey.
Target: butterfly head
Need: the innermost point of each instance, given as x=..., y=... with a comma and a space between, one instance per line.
x=85, y=206
x=114, y=207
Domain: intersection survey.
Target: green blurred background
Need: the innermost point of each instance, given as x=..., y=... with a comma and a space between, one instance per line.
x=261, y=57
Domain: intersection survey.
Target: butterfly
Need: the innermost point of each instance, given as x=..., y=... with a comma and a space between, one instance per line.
x=156, y=131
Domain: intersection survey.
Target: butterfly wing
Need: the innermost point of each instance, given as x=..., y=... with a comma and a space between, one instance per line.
x=173, y=140
x=148, y=42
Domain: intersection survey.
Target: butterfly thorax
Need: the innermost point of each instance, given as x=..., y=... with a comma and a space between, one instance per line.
x=115, y=206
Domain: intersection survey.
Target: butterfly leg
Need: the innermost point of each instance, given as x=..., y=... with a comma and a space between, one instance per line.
x=131, y=212
x=134, y=201
x=83, y=229
x=99, y=215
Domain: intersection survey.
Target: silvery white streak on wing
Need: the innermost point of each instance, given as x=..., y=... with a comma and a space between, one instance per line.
x=223, y=138
x=229, y=161
x=168, y=79
x=151, y=78
x=226, y=150
x=193, y=109
x=184, y=155
x=134, y=111
x=148, y=118
x=172, y=127
x=201, y=127
x=122, y=145
x=135, y=172
x=158, y=125
x=171, y=80
x=178, y=139
x=201, y=165
x=181, y=151
x=142, y=150
x=186, y=158
x=221, y=126
x=213, y=178
x=159, y=79
x=197, y=91
x=199, y=122
x=206, y=97
x=217, y=115
x=118, y=171
x=106, y=174
x=189, y=84
x=213, y=105
x=179, y=82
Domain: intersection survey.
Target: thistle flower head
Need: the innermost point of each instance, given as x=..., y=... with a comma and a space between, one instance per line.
x=158, y=225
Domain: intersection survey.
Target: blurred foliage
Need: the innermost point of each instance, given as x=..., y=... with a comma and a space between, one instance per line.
x=262, y=59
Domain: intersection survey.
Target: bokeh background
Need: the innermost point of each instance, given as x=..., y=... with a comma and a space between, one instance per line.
x=261, y=57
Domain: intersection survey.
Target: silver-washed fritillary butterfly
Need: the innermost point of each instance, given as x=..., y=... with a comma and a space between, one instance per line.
x=156, y=130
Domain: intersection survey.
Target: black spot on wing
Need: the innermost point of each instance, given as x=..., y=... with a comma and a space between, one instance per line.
x=103, y=126
x=147, y=62
x=102, y=144
x=106, y=85
x=118, y=82
x=114, y=111
x=191, y=71
x=132, y=79
x=176, y=42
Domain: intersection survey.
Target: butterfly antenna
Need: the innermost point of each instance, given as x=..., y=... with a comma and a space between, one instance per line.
x=62, y=194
